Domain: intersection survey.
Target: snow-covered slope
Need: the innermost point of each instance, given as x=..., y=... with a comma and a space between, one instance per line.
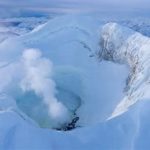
x=13, y=27
x=73, y=67
x=5, y=33
x=79, y=76
x=122, y=45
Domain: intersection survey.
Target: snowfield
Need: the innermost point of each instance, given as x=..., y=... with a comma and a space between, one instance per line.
x=77, y=74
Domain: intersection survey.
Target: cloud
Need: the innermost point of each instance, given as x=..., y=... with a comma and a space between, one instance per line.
x=81, y=3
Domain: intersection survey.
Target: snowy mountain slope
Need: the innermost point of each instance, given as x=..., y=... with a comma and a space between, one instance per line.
x=122, y=45
x=64, y=69
x=13, y=27
x=70, y=48
x=5, y=33
x=17, y=133
x=22, y=25
x=139, y=24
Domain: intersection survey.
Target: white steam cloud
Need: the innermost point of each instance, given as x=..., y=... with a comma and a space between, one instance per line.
x=38, y=78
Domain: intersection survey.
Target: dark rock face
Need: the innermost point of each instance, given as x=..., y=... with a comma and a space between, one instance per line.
x=69, y=126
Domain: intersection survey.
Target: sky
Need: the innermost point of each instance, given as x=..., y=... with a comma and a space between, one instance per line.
x=71, y=6
x=140, y=4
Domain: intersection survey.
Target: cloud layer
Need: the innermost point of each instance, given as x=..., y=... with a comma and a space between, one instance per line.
x=82, y=3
